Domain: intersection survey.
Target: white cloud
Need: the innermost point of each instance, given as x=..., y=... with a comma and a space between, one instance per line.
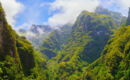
x=69, y=10
x=45, y=4
x=12, y=8
x=23, y=26
x=125, y=4
x=117, y=5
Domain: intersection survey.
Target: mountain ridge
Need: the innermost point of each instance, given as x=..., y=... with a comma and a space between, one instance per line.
x=93, y=48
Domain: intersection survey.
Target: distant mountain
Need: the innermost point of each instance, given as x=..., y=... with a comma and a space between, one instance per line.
x=55, y=41
x=118, y=18
x=36, y=33
x=93, y=48
x=89, y=36
x=114, y=18
x=22, y=31
x=39, y=29
x=86, y=40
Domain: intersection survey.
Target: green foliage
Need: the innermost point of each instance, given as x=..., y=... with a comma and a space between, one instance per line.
x=88, y=37
x=68, y=51
x=7, y=38
x=68, y=71
x=41, y=67
x=40, y=72
x=54, y=42
x=114, y=63
x=10, y=42
x=9, y=70
x=118, y=18
x=25, y=51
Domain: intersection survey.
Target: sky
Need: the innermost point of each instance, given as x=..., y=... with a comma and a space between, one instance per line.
x=23, y=13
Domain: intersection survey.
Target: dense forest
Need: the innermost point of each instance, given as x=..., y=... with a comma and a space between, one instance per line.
x=95, y=47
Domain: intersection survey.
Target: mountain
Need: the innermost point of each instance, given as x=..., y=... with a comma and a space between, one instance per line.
x=118, y=18
x=114, y=62
x=25, y=51
x=18, y=60
x=89, y=36
x=55, y=40
x=93, y=48
x=36, y=33
x=7, y=38
x=86, y=47
x=9, y=55
x=68, y=56
x=83, y=45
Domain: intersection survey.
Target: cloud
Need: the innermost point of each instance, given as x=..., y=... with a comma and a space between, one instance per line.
x=12, y=8
x=23, y=26
x=68, y=10
x=125, y=4
x=45, y=4
x=116, y=5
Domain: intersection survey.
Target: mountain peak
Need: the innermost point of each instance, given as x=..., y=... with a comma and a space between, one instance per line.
x=102, y=10
x=44, y=28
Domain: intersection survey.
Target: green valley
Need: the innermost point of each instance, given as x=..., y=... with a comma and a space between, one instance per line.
x=95, y=47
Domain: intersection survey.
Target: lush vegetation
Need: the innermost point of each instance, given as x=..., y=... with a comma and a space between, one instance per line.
x=54, y=42
x=118, y=18
x=89, y=35
x=17, y=57
x=114, y=62
x=92, y=49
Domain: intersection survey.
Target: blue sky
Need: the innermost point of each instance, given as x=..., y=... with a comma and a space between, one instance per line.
x=23, y=13
x=33, y=12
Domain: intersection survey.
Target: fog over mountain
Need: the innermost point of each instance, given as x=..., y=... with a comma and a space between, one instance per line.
x=93, y=46
x=38, y=33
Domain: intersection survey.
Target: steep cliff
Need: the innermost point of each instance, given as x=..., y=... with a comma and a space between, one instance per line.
x=114, y=62
x=7, y=38
x=15, y=47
